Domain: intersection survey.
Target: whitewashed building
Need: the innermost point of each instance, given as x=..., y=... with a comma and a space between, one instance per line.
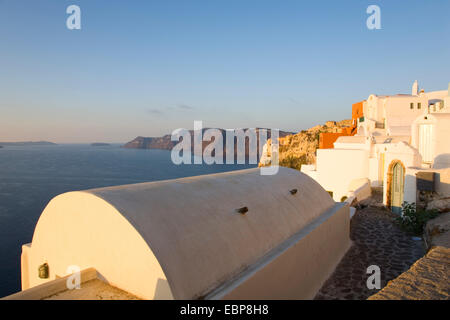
x=398, y=136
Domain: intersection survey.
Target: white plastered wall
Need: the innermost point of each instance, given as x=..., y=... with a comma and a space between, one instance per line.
x=81, y=229
x=184, y=238
x=440, y=137
x=336, y=168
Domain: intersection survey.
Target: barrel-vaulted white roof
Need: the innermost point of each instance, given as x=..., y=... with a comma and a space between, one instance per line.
x=180, y=238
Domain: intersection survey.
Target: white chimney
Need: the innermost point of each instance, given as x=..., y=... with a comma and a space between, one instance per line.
x=415, y=88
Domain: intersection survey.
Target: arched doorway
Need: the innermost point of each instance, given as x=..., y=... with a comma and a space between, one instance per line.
x=396, y=186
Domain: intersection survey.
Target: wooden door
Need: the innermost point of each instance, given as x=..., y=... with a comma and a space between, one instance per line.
x=397, y=188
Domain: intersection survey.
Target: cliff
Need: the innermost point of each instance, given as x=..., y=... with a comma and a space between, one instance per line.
x=165, y=142
x=300, y=148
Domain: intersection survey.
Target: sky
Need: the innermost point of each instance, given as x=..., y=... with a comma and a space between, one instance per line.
x=146, y=68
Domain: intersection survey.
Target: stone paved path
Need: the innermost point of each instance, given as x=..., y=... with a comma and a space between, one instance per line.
x=428, y=279
x=376, y=241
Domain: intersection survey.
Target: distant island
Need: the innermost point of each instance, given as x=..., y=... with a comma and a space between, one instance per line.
x=165, y=142
x=28, y=143
x=100, y=144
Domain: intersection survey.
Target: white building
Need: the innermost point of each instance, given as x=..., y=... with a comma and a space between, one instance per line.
x=398, y=136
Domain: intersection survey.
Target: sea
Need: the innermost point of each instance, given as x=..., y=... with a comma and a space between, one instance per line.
x=31, y=175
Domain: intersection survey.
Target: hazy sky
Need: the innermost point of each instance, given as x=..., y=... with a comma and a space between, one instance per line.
x=149, y=67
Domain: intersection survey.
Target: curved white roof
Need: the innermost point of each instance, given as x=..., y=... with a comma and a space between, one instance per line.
x=182, y=238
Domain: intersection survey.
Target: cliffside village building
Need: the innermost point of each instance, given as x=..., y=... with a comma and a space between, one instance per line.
x=401, y=142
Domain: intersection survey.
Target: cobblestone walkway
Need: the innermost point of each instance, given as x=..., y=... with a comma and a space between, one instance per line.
x=427, y=279
x=376, y=241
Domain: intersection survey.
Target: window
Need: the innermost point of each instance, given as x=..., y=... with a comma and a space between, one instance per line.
x=419, y=105
x=411, y=105
x=379, y=124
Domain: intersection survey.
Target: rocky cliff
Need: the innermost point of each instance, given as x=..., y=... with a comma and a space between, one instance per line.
x=300, y=148
x=165, y=142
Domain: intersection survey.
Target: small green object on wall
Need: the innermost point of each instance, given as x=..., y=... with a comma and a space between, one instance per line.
x=43, y=271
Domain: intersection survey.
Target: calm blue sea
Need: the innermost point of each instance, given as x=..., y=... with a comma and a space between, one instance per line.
x=30, y=176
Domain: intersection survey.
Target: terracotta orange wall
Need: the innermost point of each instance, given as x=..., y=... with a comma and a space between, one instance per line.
x=357, y=110
x=327, y=139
